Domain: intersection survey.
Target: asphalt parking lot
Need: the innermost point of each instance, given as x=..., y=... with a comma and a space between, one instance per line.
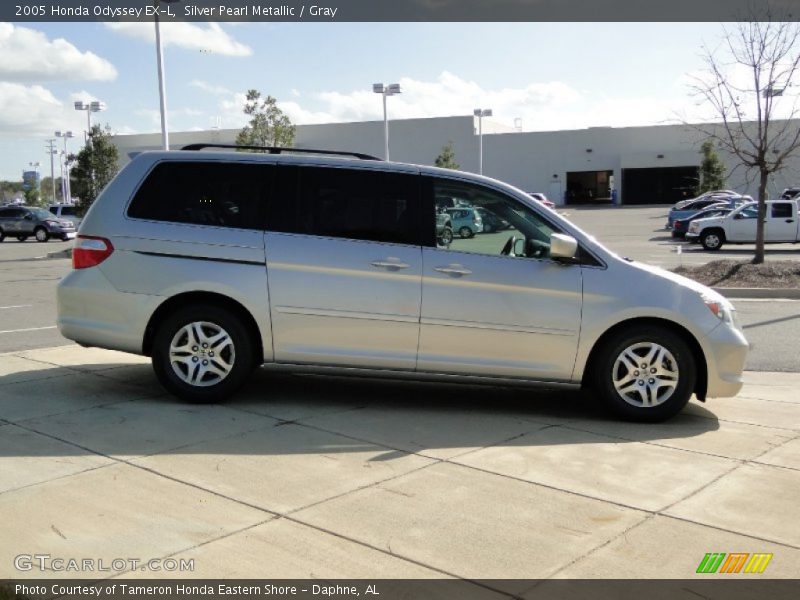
x=313, y=477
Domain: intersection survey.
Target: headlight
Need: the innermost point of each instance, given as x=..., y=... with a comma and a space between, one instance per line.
x=52, y=223
x=722, y=310
x=693, y=227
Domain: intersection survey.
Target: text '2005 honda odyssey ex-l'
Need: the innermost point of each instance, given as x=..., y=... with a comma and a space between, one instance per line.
x=215, y=262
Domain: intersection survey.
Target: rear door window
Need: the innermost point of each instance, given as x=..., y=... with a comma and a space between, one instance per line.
x=355, y=204
x=781, y=210
x=205, y=193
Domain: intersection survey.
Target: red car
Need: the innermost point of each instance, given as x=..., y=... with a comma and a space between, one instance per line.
x=539, y=197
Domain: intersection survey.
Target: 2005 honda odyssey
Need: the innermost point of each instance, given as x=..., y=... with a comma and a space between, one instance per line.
x=215, y=262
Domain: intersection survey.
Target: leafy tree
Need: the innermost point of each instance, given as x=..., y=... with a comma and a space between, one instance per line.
x=712, y=170
x=268, y=126
x=32, y=195
x=447, y=158
x=751, y=86
x=94, y=167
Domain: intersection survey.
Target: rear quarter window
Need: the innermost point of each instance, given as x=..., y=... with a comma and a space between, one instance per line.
x=204, y=193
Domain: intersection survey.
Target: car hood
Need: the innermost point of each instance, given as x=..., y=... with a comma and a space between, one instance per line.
x=680, y=280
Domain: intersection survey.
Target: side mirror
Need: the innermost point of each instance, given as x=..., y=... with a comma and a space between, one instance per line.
x=28, y=217
x=563, y=246
x=737, y=216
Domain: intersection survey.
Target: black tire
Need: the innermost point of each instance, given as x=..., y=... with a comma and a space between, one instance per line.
x=605, y=368
x=466, y=232
x=446, y=238
x=41, y=234
x=242, y=363
x=712, y=239
x=22, y=238
x=2, y=236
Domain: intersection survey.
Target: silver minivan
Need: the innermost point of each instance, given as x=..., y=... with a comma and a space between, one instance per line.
x=216, y=262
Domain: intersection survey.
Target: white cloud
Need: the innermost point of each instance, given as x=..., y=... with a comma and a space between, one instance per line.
x=29, y=56
x=33, y=111
x=542, y=106
x=210, y=37
x=217, y=90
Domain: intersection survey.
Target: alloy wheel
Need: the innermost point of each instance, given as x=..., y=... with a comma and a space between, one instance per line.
x=645, y=374
x=202, y=353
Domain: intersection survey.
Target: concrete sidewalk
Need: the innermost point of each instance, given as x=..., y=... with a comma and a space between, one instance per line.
x=326, y=478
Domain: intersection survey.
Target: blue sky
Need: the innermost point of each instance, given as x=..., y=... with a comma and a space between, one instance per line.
x=552, y=76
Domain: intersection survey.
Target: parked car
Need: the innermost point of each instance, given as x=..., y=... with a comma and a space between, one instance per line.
x=706, y=195
x=66, y=211
x=444, y=229
x=680, y=226
x=790, y=193
x=178, y=259
x=539, y=197
x=692, y=208
x=467, y=221
x=739, y=226
x=23, y=222
x=491, y=222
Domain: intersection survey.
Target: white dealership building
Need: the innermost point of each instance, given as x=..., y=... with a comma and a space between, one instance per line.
x=627, y=165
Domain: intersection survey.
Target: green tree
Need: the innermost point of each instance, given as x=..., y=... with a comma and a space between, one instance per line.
x=447, y=158
x=32, y=195
x=712, y=170
x=268, y=126
x=94, y=167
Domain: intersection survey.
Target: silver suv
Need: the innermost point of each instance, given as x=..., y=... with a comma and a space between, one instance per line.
x=216, y=262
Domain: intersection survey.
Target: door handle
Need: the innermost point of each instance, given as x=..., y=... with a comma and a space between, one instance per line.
x=390, y=263
x=453, y=270
x=790, y=220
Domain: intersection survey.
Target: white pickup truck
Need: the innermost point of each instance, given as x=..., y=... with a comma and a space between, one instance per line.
x=739, y=226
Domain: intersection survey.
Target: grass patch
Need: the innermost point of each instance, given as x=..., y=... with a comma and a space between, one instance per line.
x=784, y=274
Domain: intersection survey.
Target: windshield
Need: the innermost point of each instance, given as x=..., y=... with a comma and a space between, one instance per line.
x=41, y=213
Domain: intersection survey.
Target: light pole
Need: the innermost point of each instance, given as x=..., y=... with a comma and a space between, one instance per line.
x=388, y=90
x=162, y=84
x=480, y=113
x=66, y=192
x=51, y=150
x=89, y=107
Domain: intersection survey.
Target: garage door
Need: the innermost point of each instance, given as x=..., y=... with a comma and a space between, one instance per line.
x=663, y=185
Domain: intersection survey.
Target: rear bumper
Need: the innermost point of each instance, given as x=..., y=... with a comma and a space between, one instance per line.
x=93, y=312
x=726, y=352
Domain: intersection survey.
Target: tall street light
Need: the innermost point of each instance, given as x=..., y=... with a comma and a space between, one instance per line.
x=66, y=192
x=89, y=107
x=389, y=90
x=51, y=150
x=480, y=113
x=162, y=84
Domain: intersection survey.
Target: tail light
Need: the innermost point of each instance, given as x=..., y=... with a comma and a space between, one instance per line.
x=90, y=251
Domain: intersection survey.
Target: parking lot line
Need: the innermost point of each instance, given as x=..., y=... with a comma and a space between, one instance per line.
x=28, y=329
x=17, y=306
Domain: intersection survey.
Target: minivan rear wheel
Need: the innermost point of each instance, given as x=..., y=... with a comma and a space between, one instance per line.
x=645, y=373
x=202, y=353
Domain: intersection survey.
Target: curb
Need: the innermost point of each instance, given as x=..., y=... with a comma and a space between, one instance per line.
x=60, y=254
x=787, y=293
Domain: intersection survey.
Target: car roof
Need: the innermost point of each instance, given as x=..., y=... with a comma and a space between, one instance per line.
x=321, y=160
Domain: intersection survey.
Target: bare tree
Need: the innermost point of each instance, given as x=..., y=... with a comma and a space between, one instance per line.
x=749, y=86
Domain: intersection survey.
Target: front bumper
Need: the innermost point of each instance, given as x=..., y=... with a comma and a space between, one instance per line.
x=693, y=237
x=726, y=352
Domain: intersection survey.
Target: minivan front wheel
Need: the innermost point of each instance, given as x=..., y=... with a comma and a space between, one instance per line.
x=645, y=373
x=202, y=353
